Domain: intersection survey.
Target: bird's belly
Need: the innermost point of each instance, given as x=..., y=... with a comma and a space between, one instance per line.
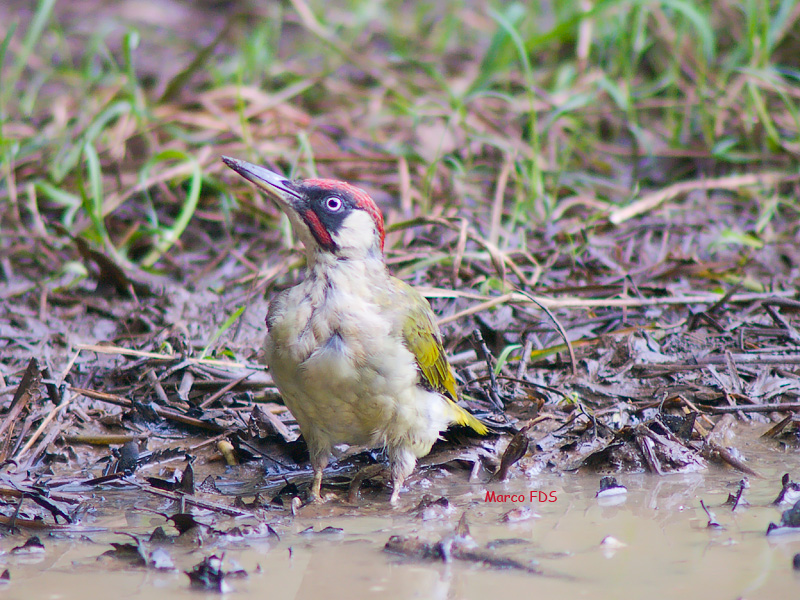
x=341, y=394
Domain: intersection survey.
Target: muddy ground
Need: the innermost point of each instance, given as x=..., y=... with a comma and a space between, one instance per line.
x=605, y=337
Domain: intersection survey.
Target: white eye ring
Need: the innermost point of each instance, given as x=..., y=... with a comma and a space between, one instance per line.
x=333, y=204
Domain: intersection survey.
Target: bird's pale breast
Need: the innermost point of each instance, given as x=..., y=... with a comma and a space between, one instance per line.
x=345, y=373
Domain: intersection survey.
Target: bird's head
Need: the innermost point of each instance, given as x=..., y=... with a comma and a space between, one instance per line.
x=329, y=216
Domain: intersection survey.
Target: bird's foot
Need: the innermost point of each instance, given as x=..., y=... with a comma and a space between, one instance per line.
x=397, y=485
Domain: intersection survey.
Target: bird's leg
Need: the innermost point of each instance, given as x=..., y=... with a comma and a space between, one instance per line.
x=316, y=486
x=397, y=485
x=318, y=463
x=402, y=461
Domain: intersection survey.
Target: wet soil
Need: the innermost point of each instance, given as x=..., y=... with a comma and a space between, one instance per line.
x=654, y=543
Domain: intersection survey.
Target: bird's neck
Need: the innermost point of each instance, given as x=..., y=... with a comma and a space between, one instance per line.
x=347, y=273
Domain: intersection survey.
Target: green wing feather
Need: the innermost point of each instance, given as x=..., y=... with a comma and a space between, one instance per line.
x=423, y=338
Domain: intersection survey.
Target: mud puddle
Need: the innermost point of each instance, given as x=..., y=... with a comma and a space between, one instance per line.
x=652, y=542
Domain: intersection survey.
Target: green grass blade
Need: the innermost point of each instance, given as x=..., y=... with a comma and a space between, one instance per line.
x=68, y=160
x=6, y=41
x=177, y=83
x=93, y=197
x=494, y=58
x=3, y=50
x=71, y=202
x=222, y=329
x=701, y=23
x=167, y=236
x=32, y=37
x=504, y=355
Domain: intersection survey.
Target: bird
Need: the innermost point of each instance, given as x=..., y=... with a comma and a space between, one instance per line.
x=356, y=353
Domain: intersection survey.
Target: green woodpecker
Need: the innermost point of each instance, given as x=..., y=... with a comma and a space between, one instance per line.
x=355, y=352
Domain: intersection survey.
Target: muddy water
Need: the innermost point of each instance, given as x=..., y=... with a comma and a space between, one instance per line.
x=665, y=549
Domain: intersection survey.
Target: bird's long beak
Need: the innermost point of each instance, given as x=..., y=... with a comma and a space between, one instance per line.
x=277, y=187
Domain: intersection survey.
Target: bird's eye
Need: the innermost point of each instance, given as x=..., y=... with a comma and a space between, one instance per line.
x=333, y=204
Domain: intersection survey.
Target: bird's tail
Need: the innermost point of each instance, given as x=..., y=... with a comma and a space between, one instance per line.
x=463, y=417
